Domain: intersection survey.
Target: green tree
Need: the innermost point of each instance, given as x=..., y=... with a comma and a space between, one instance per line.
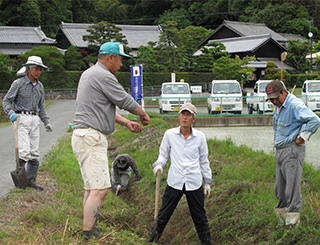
x=20, y=13
x=169, y=56
x=228, y=68
x=4, y=61
x=100, y=33
x=271, y=71
x=210, y=52
x=180, y=16
x=297, y=51
x=73, y=60
x=50, y=56
x=52, y=13
x=104, y=32
x=83, y=11
x=111, y=10
x=147, y=57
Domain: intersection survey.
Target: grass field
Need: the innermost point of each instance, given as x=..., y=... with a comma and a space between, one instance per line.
x=239, y=209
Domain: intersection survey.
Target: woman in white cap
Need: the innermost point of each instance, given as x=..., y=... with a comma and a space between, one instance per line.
x=26, y=99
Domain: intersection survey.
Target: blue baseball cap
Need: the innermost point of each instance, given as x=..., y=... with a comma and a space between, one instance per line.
x=113, y=48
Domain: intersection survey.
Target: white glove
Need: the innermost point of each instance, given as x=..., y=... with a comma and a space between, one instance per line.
x=156, y=168
x=119, y=187
x=207, y=189
x=49, y=127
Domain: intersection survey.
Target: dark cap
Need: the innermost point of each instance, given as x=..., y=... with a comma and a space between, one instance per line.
x=273, y=89
x=122, y=162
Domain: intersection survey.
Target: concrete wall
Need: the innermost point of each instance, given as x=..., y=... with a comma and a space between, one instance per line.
x=227, y=121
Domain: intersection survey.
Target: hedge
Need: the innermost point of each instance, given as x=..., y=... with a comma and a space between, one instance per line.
x=69, y=79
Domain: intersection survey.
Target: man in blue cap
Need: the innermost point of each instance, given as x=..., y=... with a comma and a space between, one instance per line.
x=99, y=92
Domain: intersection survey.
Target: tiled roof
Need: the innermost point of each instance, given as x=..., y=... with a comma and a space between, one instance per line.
x=242, y=44
x=136, y=35
x=23, y=35
x=251, y=29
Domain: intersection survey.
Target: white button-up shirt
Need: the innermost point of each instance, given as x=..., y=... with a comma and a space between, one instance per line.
x=189, y=159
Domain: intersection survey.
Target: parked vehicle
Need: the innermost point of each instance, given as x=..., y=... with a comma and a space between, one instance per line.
x=310, y=94
x=173, y=96
x=225, y=96
x=257, y=101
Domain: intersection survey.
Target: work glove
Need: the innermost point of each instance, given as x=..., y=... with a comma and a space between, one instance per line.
x=49, y=127
x=119, y=187
x=156, y=168
x=207, y=189
x=13, y=117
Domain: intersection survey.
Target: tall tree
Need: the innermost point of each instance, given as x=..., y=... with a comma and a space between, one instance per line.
x=147, y=57
x=83, y=11
x=296, y=57
x=73, y=60
x=20, y=13
x=111, y=10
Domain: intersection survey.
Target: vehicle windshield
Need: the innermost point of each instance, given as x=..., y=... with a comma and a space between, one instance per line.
x=314, y=87
x=263, y=87
x=176, y=89
x=226, y=88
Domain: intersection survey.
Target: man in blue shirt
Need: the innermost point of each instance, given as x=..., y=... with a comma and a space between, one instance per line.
x=293, y=124
x=188, y=151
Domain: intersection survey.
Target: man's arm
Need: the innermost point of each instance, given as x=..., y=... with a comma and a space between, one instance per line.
x=144, y=117
x=131, y=125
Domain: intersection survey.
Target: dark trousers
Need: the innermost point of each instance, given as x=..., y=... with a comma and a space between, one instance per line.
x=195, y=199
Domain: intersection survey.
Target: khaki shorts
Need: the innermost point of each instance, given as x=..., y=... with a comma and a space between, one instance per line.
x=90, y=148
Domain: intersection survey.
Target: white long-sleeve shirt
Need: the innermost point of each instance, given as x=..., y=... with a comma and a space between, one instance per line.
x=189, y=159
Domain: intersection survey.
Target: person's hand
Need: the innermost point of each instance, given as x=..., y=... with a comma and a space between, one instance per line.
x=207, y=189
x=157, y=168
x=299, y=140
x=119, y=187
x=145, y=119
x=134, y=127
x=13, y=117
x=49, y=127
x=138, y=178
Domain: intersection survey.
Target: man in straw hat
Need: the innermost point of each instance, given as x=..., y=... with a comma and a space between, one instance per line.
x=99, y=93
x=293, y=124
x=26, y=99
x=188, y=151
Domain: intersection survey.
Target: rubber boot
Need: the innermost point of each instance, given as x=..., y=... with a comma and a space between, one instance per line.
x=280, y=213
x=154, y=234
x=204, y=234
x=93, y=233
x=32, y=173
x=292, y=219
x=22, y=163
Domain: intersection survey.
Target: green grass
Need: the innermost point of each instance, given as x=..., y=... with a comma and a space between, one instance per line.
x=239, y=209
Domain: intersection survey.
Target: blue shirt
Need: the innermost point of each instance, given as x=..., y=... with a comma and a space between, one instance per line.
x=294, y=117
x=189, y=159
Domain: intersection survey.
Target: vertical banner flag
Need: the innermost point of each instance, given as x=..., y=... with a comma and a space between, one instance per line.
x=136, y=82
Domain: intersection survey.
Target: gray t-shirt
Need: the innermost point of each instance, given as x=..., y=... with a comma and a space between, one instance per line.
x=99, y=92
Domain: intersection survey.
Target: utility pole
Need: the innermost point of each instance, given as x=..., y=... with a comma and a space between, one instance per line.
x=310, y=34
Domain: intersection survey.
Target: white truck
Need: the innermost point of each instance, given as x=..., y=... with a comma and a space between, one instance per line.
x=225, y=96
x=173, y=96
x=310, y=94
x=257, y=101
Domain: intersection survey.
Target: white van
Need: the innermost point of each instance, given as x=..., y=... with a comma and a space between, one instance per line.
x=258, y=102
x=225, y=96
x=310, y=94
x=173, y=96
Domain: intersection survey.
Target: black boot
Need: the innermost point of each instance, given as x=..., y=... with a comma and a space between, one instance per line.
x=204, y=234
x=94, y=232
x=32, y=173
x=22, y=163
x=154, y=233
